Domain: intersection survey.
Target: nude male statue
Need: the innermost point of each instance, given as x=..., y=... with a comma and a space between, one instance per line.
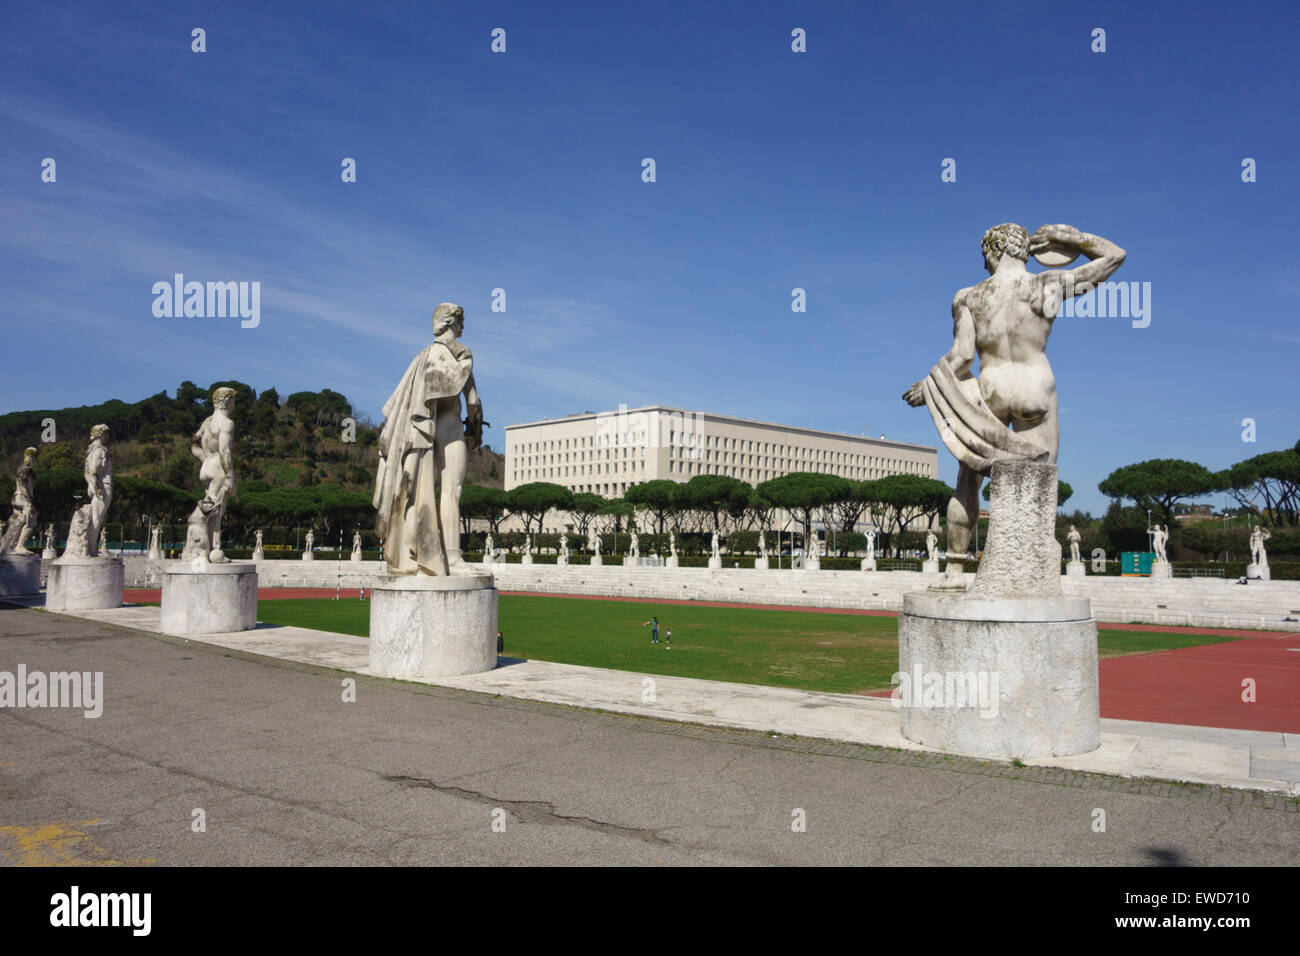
x=1005, y=321
x=213, y=445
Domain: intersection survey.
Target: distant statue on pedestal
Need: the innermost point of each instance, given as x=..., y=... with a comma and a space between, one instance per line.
x=83, y=532
x=595, y=544
x=488, y=547
x=22, y=520
x=1073, y=538
x=308, y=544
x=672, y=544
x=1258, y=556
x=635, y=551
x=257, y=548
x=213, y=445
x=717, y=553
x=103, y=540
x=49, y=543
x=931, y=542
x=1159, y=540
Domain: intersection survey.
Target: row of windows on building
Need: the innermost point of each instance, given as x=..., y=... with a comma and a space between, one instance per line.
x=566, y=473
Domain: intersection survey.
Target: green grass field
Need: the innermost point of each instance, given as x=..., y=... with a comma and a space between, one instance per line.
x=841, y=653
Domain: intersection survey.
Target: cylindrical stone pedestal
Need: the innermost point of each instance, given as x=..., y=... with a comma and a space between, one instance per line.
x=868, y=564
x=930, y=566
x=999, y=678
x=85, y=584
x=597, y=561
x=433, y=626
x=1075, y=569
x=526, y=559
x=20, y=575
x=761, y=564
x=671, y=561
x=217, y=599
x=1165, y=570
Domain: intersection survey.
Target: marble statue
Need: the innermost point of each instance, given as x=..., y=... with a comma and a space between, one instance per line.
x=22, y=520
x=83, y=532
x=595, y=544
x=488, y=548
x=528, y=544
x=871, y=543
x=672, y=544
x=762, y=544
x=49, y=538
x=635, y=550
x=1159, y=540
x=564, y=546
x=424, y=441
x=257, y=547
x=1074, y=538
x=716, y=552
x=1258, y=556
x=309, y=542
x=213, y=445
x=356, y=543
x=155, y=542
x=103, y=540
x=1004, y=321
x=814, y=545
x=591, y=538
x=931, y=542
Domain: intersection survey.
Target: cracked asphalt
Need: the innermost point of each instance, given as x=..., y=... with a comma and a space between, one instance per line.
x=285, y=773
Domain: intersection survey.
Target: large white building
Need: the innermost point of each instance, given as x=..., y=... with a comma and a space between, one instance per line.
x=608, y=452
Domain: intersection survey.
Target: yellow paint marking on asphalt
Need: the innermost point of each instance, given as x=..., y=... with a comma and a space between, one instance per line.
x=56, y=844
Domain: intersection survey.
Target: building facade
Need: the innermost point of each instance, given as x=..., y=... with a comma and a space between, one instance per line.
x=608, y=452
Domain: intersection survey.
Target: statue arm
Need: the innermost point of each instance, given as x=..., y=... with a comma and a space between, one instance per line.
x=962, y=354
x=1105, y=257
x=225, y=448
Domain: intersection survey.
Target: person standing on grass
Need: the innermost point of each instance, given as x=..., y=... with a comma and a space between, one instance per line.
x=654, y=629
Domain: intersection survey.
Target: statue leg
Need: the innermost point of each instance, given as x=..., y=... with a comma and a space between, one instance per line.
x=963, y=512
x=452, y=462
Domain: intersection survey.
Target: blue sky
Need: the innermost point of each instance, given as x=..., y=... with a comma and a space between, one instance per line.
x=775, y=170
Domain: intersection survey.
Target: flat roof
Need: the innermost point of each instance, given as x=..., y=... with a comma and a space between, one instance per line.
x=709, y=416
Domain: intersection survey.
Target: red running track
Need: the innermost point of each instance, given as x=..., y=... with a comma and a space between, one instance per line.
x=1200, y=686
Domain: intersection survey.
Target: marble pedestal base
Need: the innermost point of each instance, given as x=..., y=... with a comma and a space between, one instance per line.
x=308, y=556
x=85, y=584
x=812, y=564
x=218, y=599
x=715, y=563
x=630, y=562
x=1256, y=572
x=20, y=575
x=49, y=554
x=1075, y=569
x=526, y=559
x=930, y=567
x=356, y=556
x=868, y=564
x=597, y=561
x=671, y=561
x=761, y=564
x=433, y=626
x=1165, y=570
x=562, y=561
x=1032, y=663
x=258, y=555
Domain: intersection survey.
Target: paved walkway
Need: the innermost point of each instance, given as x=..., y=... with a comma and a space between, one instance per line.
x=1230, y=758
x=1198, y=686
x=287, y=772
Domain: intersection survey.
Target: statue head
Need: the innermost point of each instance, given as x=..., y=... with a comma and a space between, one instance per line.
x=448, y=315
x=1007, y=239
x=99, y=432
x=29, y=455
x=223, y=398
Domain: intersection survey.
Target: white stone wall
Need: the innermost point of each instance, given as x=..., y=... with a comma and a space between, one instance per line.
x=1191, y=602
